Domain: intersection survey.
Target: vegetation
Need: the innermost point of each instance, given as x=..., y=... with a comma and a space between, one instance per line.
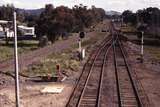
x=154, y=51
x=6, y=12
x=129, y=17
x=55, y=21
x=68, y=59
x=147, y=20
x=148, y=16
x=7, y=51
x=48, y=66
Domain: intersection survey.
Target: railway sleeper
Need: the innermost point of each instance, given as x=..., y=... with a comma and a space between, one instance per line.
x=129, y=102
x=129, y=106
x=128, y=99
x=89, y=100
x=87, y=105
x=127, y=94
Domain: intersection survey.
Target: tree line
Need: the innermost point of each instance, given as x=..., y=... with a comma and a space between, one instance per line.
x=150, y=16
x=56, y=21
x=147, y=20
x=53, y=22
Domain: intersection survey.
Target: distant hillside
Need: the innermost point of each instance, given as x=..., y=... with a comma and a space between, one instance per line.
x=31, y=11
x=111, y=13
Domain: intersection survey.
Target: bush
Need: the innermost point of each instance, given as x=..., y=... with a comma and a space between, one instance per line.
x=43, y=41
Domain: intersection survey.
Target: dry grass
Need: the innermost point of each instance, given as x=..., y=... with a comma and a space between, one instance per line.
x=47, y=66
x=128, y=28
x=154, y=51
x=67, y=59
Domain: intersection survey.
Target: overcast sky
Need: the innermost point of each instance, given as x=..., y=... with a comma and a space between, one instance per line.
x=118, y=5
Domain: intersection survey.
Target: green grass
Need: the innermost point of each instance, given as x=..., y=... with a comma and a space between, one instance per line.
x=7, y=51
x=154, y=51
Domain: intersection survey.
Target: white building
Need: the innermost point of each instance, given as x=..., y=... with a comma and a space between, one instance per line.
x=6, y=31
x=4, y=22
x=27, y=30
x=10, y=33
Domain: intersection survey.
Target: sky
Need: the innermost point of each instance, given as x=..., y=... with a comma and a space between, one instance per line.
x=117, y=5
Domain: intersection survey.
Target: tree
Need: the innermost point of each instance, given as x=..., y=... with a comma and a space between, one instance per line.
x=129, y=17
x=54, y=22
x=6, y=12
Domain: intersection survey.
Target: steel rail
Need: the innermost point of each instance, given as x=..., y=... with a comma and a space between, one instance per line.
x=107, y=39
x=139, y=103
x=88, y=77
x=130, y=76
x=101, y=78
x=116, y=74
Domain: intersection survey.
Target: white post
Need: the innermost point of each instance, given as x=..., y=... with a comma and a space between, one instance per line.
x=80, y=46
x=142, y=42
x=16, y=63
x=83, y=53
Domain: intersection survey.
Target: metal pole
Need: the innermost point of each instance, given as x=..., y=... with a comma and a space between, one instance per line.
x=16, y=63
x=142, y=42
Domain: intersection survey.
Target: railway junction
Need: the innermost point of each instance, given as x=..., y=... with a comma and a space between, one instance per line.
x=91, y=89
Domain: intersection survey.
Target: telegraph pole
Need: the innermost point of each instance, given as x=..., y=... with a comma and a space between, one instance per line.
x=16, y=63
x=142, y=42
x=80, y=45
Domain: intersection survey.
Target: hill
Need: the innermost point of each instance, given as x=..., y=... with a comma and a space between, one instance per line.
x=31, y=11
x=111, y=13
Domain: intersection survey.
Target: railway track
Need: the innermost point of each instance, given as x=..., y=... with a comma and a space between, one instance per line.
x=128, y=89
x=127, y=95
x=91, y=92
x=87, y=92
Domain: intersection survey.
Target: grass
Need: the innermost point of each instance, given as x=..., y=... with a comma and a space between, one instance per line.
x=67, y=60
x=154, y=51
x=7, y=51
x=128, y=28
x=47, y=66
